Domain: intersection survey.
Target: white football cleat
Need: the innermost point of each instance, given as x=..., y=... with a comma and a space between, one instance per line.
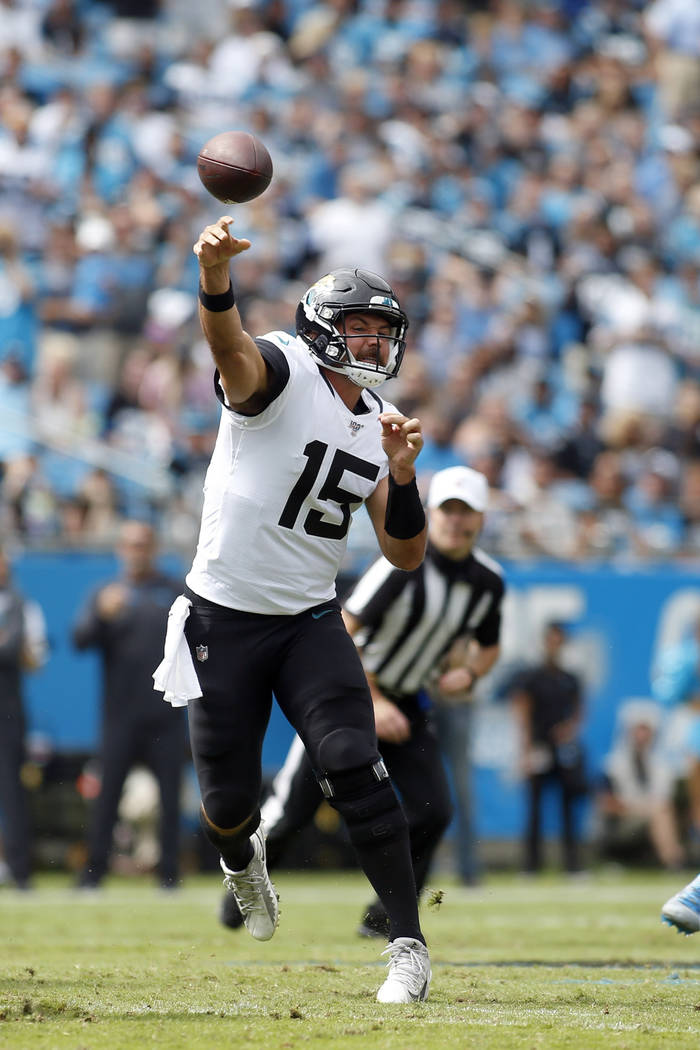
x=254, y=892
x=409, y=972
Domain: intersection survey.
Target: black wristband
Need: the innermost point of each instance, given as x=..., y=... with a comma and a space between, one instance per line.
x=405, y=517
x=217, y=303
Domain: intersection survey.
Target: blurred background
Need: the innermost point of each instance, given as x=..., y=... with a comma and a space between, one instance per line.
x=525, y=173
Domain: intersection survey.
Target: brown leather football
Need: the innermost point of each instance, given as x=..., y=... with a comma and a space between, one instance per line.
x=234, y=167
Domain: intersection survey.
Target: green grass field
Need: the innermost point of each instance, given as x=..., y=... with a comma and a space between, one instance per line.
x=544, y=963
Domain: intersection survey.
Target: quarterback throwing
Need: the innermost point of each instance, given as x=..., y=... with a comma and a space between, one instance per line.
x=304, y=440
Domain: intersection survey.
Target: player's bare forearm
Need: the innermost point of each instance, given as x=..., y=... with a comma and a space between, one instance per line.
x=225, y=334
x=241, y=366
x=240, y=363
x=404, y=554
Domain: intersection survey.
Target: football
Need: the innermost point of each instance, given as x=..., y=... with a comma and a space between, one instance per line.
x=234, y=167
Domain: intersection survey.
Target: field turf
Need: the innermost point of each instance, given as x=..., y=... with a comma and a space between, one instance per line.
x=541, y=963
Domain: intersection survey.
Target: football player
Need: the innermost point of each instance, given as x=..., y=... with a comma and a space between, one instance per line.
x=303, y=441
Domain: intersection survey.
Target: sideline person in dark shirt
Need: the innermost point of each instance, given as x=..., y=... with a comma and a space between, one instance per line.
x=22, y=648
x=547, y=703
x=125, y=621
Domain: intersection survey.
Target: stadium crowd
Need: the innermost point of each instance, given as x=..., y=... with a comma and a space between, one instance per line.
x=524, y=172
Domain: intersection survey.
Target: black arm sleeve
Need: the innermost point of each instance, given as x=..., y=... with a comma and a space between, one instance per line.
x=405, y=516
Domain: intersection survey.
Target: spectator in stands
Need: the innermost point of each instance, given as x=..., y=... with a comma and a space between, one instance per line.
x=544, y=414
x=682, y=436
x=438, y=452
x=16, y=437
x=544, y=525
x=640, y=374
x=29, y=502
x=356, y=225
x=18, y=320
x=689, y=505
x=652, y=501
x=98, y=494
x=62, y=27
x=605, y=527
x=551, y=227
x=581, y=443
x=673, y=33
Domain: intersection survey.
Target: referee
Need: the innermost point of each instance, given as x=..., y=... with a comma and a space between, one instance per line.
x=435, y=628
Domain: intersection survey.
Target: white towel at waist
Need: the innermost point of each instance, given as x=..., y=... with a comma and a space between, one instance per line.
x=175, y=674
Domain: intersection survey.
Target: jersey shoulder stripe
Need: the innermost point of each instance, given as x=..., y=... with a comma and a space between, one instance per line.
x=487, y=561
x=370, y=583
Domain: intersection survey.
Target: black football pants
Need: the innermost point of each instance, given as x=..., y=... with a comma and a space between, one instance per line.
x=310, y=664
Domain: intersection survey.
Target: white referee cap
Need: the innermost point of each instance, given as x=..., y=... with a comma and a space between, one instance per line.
x=460, y=483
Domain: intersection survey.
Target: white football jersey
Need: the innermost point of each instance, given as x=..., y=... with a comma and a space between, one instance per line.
x=280, y=491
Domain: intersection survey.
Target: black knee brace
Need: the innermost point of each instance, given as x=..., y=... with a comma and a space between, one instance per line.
x=344, y=749
x=367, y=802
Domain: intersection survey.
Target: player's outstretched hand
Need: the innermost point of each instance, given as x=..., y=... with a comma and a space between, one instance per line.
x=402, y=440
x=215, y=245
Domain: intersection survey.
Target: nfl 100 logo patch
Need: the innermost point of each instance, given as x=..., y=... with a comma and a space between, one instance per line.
x=202, y=652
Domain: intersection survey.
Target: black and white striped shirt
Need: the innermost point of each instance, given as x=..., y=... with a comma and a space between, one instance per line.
x=410, y=620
